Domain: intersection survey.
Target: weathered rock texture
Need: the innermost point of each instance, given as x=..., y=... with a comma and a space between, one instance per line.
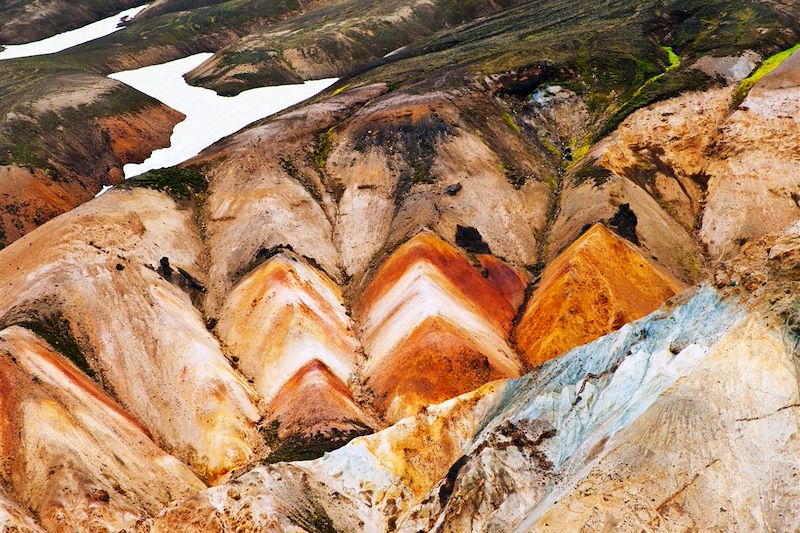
x=596, y=286
x=371, y=313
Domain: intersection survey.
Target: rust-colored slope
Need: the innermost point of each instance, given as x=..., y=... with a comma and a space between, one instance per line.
x=69, y=452
x=315, y=410
x=594, y=287
x=434, y=327
x=437, y=361
x=288, y=328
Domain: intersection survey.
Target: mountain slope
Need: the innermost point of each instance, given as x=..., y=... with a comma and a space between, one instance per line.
x=694, y=408
x=370, y=312
x=595, y=286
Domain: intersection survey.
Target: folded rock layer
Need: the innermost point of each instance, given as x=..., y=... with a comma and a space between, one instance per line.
x=286, y=327
x=434, y=327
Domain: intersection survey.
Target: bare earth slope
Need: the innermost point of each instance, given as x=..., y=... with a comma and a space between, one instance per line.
x=523, y=277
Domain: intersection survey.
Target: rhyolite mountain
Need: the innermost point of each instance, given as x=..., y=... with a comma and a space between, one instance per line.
x=528, y=266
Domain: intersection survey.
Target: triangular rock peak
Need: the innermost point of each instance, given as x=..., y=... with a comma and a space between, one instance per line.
x=595, y=286
x=314, y=412
x=434, y=326
x=286, y=327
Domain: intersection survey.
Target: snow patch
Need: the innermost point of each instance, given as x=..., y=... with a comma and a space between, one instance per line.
x=209, y=116
x=69, y=39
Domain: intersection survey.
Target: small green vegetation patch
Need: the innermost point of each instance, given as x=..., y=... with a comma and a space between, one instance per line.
x=180, y=183
x=56, y=331
x=511, y=122
x=324, y=147
x=296, y=447
x=770, y=64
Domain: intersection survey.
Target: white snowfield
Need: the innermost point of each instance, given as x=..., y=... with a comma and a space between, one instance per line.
x=65, y=40
x=209, y=116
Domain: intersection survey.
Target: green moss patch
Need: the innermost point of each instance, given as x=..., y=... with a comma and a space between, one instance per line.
x=56, y=331
x=770, y=64
x=303, y=447
x=324, y=147
x=180, y=183
x=508, y=119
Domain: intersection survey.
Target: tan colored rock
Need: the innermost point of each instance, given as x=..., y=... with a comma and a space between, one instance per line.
x=662, y=148
x=70, y=453
x=754, y=187
x=98, y=271
x=396, y=159
x=660, y=236
x=286, y=327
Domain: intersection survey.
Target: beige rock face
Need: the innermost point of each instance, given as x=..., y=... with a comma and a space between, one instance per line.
x=70, y=453
x=730, y=173
x=663, y=150
x=266, y=193
x=754, y=184
x=395, y=161
x=98, y=269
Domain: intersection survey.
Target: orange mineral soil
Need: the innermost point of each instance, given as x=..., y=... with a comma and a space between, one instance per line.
x=594, y=287
x=434, y=326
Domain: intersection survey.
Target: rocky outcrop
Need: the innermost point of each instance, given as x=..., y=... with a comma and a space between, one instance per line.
x=14, y=519
x=595, y=286
x=73, y=456
x=433, y=327
x=752, y=186
x=287, y=330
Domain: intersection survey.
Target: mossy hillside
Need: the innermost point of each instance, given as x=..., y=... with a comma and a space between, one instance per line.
x=58, y=334
x=619, y=56
x=179, y=183
x=185, y=32
x=54, y=139
x=337, y=38
x=19, y=23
